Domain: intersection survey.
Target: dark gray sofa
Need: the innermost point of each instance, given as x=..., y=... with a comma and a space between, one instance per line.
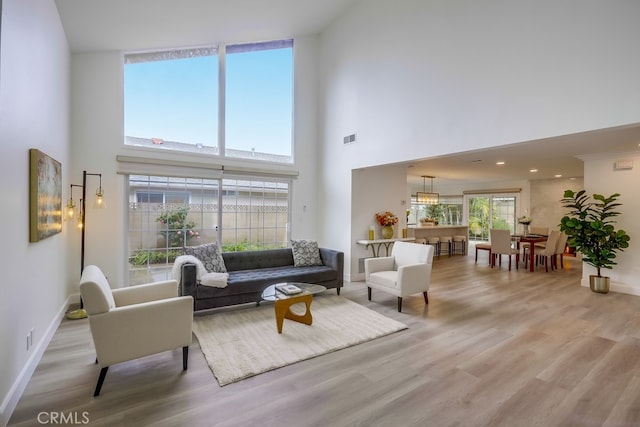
x=251, y=272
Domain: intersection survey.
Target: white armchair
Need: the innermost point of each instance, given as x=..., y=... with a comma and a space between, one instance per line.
x=406, y=272
x=132, y=322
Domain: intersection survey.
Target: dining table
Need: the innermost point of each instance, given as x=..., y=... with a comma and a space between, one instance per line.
x=531, y=239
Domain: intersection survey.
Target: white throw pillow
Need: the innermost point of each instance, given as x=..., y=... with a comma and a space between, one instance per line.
x=305, y=253
x=210, y=255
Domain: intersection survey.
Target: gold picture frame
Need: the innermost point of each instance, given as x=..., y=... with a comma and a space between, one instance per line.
x=45, y=196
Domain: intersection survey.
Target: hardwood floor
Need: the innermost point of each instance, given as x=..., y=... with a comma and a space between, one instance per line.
x=493, y=348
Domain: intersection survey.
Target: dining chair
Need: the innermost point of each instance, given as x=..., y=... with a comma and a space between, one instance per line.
x=560, y=248
x=547, y=253
x=483, y=247
x=526, y=247
x=543, y=231
x=501, y=244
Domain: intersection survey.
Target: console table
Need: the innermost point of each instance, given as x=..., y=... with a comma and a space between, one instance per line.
x=376, y=244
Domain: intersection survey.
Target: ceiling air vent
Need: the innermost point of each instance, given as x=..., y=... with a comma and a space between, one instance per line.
x=350, y=139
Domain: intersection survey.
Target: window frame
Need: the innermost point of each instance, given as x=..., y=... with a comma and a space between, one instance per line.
x=151, y=271
x=220, y=150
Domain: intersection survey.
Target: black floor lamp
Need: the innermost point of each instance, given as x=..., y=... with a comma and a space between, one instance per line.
x=81, y=313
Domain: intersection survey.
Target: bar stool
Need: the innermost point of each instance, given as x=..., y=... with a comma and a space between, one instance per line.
x=420, y=241
x=459, y=241
x=435, y=242
x=447, y=240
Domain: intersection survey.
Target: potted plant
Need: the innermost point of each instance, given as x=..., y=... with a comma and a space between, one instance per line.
x=590, y=230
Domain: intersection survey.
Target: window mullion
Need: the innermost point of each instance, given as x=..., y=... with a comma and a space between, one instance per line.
x=222, y=81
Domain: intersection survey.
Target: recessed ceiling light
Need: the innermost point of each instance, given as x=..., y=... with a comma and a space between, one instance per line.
x=533, y=170
x=499, y=163
x=558, y=175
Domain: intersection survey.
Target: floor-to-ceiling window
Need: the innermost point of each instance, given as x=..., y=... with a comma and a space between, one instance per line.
x=227, y=104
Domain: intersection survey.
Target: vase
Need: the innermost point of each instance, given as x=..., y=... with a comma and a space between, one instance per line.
x=387, y=232
x=599, y=284
x=525, y=228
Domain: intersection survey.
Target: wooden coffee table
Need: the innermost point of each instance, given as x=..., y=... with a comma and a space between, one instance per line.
x=282, y=302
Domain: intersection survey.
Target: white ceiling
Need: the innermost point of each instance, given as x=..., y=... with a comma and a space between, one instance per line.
x=129, y=25
x=552, y=156
x=92, y=25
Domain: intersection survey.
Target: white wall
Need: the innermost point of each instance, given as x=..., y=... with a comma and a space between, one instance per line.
x=602, y=178
x=546, y=195
x=367, y=186
x=418, y=78
x=34, y=111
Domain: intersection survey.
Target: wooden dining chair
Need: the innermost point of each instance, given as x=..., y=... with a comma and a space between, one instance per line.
x=543, y=231
x=546, y=254
x=526, y=247
x=560, y=248
x=483, y=247
x=501, y=244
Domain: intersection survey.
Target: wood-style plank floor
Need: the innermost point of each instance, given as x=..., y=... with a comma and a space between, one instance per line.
x=493, y=348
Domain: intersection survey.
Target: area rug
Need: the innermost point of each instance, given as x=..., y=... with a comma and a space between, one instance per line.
x=242, y=343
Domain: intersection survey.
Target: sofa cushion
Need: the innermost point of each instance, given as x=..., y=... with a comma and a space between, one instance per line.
x=251, y=260
x=210, y=255
x=250, y=281
x=388, y=279
x=305, y=253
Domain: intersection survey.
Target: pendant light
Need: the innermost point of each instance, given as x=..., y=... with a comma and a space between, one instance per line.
x=427, y=198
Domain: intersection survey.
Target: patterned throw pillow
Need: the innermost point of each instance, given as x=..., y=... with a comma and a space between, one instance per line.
x=210, y=255
x=305, y=252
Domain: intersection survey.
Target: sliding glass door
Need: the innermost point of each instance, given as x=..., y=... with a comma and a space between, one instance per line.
x=487, y=211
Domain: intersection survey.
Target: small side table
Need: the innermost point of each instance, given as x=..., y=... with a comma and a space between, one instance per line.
x=282, y=302
x=283, y=310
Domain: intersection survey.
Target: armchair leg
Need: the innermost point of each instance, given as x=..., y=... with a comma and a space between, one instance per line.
x=369, y=293
x=185, y=357
x=399, y=304
x=338, y=291
x=426, y=298
x=103, y=373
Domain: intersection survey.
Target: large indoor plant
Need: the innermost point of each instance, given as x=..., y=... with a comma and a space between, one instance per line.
x=590, y=230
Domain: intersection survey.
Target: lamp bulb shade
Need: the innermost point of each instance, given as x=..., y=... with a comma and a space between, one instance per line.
x=70, y=210
x=99, y=203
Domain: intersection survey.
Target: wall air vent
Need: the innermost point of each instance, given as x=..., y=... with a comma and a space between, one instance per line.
x=350, y=139
x=624, y=164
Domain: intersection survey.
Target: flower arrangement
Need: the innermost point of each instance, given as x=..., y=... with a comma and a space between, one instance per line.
x=386, y=219
x=524, y=220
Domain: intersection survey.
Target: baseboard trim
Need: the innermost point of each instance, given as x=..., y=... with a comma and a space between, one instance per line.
x=615, y=287
x=15, y=393
x=356, y=277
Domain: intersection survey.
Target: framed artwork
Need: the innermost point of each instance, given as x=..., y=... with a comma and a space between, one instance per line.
x=45, y=196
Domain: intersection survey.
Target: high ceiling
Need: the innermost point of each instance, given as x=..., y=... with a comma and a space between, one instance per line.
x=92, y=25
x=129, y=25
